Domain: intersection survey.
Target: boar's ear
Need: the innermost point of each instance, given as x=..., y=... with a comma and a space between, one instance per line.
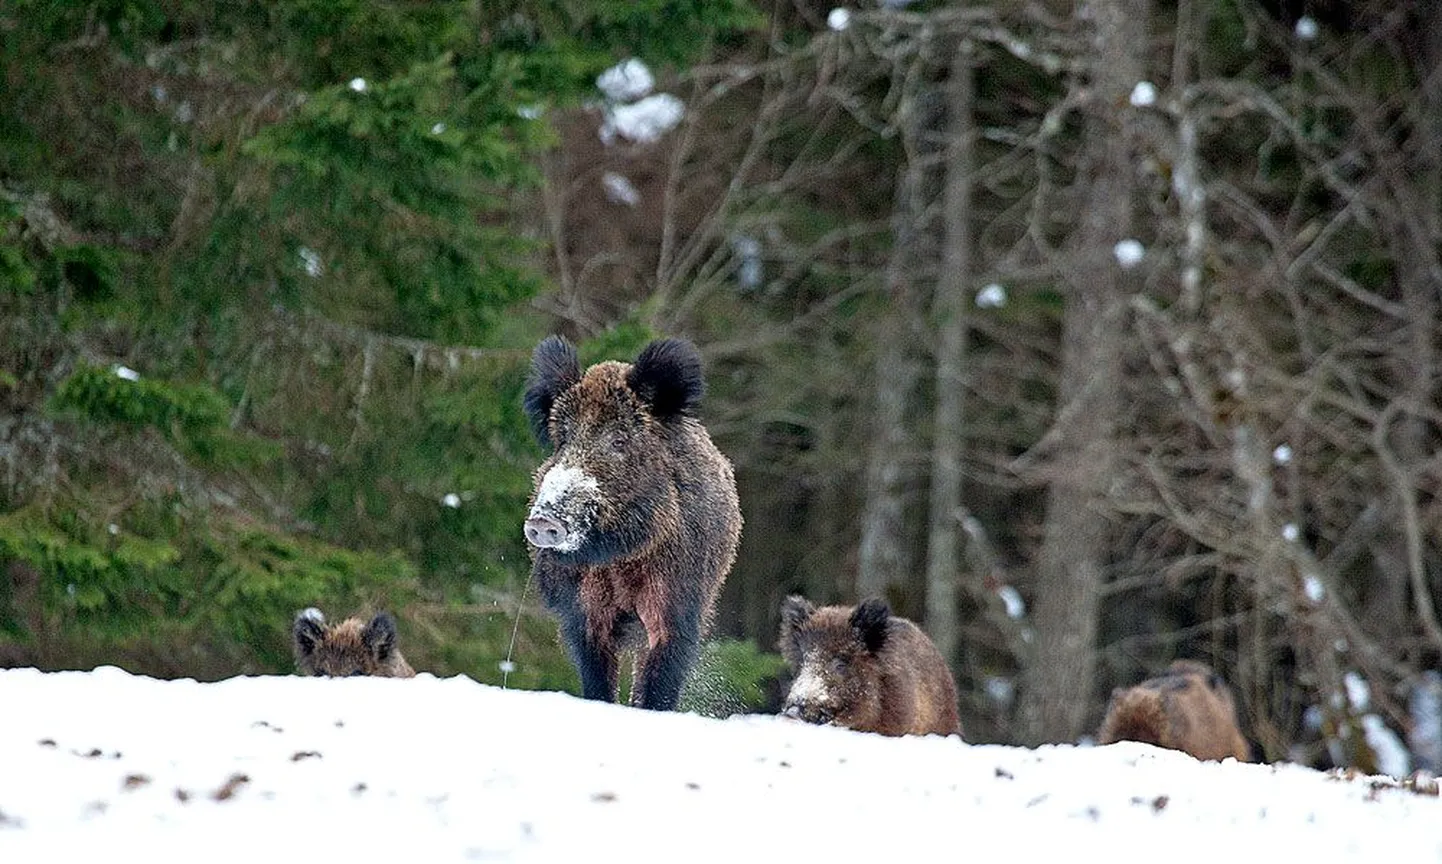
x=379, y=636
x=554, y=368
x=869, y=620
x=308, y=631
x=667, y=376
x=795, y=611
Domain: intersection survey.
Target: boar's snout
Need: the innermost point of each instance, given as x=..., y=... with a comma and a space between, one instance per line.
x=543, y=532
x=565, y=511
x=808, y=713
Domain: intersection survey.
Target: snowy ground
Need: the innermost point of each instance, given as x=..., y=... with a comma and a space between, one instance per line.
x=109, y=766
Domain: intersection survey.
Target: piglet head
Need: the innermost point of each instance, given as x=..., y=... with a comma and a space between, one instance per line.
x=833, y=653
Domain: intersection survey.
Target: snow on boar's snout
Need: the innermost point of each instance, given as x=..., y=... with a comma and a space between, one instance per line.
x=634, y=518
x=566, y=505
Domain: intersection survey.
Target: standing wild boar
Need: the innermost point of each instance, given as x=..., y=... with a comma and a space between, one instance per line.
x=348, y=648
x=865, y=669
x=1187, y=708
x=634, y=519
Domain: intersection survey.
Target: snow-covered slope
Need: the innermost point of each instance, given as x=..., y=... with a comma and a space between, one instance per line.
x=106, y=766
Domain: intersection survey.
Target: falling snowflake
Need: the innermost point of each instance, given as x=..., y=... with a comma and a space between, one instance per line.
x=1129, y=253
x=838, y=19
x=310, y=260
x=126, y=373
x=999, y=689
x=1306, y=28
x=1144, y=94
x=993, y=296
x=1282, y=455
x=619, y=190
x=750, y=273
x=1015, y=606
x=358, y=85
x=451, y=500
x=1290, y=533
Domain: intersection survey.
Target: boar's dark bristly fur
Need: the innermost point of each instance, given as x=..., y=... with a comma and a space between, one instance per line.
x=865, y=669
x=634, y=520
x=1188, y=708
x=352, y=647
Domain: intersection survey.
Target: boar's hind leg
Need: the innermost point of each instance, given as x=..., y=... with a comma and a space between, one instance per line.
x=662, y=670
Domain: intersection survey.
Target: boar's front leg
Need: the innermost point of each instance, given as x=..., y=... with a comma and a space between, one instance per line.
x=596, y=663
x=595, y=660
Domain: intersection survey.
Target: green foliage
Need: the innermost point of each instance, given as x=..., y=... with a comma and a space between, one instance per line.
x=621, y=341
x=234, y=585
x=631, y=26
x=336, y=40
x=260, y=579
x=1229, y=47
x=193, y=417
x=732, y=676
x=104, y=581
x=386, y=184
x=92, y=272
x=17, y=274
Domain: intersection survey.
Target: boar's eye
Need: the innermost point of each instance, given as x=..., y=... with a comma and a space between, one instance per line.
x=838, y=666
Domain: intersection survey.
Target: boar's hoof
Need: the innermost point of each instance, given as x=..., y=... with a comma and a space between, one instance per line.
x=544, y=532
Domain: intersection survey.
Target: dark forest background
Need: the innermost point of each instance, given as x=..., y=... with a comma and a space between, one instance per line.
x=1089, y=334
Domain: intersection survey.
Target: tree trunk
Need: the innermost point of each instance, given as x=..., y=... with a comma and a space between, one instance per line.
x=1416, y=186
x=1060, y=673
x=884, y=561
x=949, y=310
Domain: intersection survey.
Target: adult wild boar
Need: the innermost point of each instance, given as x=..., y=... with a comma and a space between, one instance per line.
x=634, y=520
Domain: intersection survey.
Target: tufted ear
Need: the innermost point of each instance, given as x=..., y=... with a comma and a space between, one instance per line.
x=869, y=620
x=308, y=631
x=667, y=376
x=795, y=611
x=554, y=368
x=379, y=636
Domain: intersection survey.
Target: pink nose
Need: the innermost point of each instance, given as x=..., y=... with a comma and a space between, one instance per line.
x=543, y=532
